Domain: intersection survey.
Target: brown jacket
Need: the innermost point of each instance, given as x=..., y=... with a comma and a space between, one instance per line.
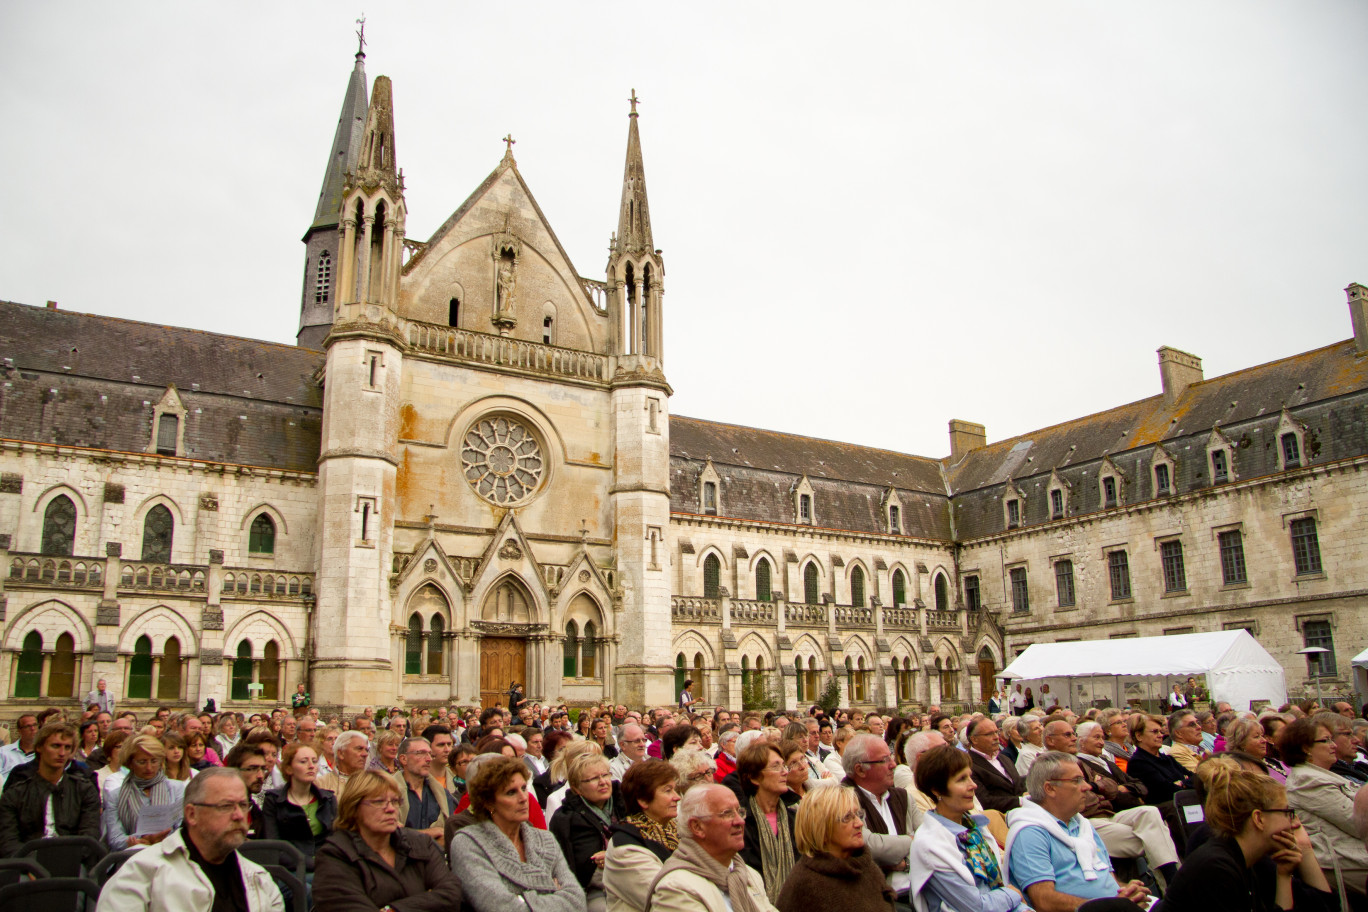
x=350, y=877
x=852, y=884
x=1106, y=797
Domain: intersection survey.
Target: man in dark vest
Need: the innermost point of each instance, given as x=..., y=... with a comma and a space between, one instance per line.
x=890, y=819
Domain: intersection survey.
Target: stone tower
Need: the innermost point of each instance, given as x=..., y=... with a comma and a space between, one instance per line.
x=640, y=494
x=361, y=401
x=322, y=253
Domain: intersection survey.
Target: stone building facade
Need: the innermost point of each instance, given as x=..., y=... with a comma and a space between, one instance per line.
x=466, y=473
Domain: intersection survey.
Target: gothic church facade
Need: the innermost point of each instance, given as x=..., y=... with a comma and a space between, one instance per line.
x=466, y=473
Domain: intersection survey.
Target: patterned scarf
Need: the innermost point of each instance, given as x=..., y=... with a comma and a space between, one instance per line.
x=978, y=856
x=665, y=834
x=132, y=799
x=776, y=849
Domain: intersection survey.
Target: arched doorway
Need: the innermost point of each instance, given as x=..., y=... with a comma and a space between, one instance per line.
x=503, y=658
x=987, y=670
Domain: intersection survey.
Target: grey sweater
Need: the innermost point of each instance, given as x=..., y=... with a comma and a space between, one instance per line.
x=493, y=876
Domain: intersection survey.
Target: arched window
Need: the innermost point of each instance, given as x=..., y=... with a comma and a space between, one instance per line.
x=762, y=581
x=242, y=672
x=323, y=278
x=549, y=330
x=942, y=595
x=261, y=538
x=157, y=531
x=59, y=527
x=140, y=670
x=949, y=682
x=700, y=688
x=712, y=577
x=861, y=681
x=28, y=679
x=857, y=593
x=681, y=673
x=812, y=677
x=899, y=588
x=413, y=646
x=745, y=677
x=270, y=671
x=589, y=652
x=800, y=680
x=454, y=312
x=810, y=584
x=570, y=662
x=169, y=676
x=436, y=645
x=62, y=671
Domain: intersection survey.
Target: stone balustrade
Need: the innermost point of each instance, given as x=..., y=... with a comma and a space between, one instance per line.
x=78, y=572
x=802, y=613
x=484, y=348
x=182, y=577
x=246, y=583
x=752, y=611
x=693, y=608
x=900, y=617
x=853, y=614
x=942, y=620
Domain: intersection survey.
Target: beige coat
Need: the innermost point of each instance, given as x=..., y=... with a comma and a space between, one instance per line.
x=627, y=875
x=1187, y=757
x=685, y=891
x=1324, y=801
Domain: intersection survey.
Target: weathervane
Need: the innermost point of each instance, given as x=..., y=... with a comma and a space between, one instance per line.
x=634, y=100
x=361, y=36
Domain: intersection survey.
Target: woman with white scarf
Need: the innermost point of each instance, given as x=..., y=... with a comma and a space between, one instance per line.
x=955, y=861
x=145, y=785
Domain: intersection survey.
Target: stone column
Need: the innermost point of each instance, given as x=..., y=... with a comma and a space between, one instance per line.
x=363, y=259
x=346, y=280
x=212, y=679
x=105, y=654
x=452, y=665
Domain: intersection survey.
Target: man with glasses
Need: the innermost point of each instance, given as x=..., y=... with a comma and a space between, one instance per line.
x=1346, y=752
x=250, y=762
x=631, y=749
x=19, y=752
x=712, y=830
x=999, y=786
x=198, y=866
x=1054, y=856
x=1186, y=733
x=890, y=818
x=422, y=800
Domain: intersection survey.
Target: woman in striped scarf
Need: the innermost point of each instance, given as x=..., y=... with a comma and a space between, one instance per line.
x=145, y=784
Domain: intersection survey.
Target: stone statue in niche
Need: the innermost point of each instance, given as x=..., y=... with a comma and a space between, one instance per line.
x=505, y=251
x=507, y=282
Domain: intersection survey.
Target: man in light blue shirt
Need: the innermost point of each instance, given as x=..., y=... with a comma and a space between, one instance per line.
x=1054, y=856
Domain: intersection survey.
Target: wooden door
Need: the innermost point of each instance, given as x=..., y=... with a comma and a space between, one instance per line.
x=987, y=677
x=503, y=660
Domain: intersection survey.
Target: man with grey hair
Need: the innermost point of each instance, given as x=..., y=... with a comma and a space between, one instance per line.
x=704, y=874
x=999, y=786
x=1032, y=744
x=197, y=866
x=1010, y=738
x=422, y=800
x=1128, y=827
x=1054, y=856
x=1186, y=733
x=351, y=750
x=890, y=818
x=631, y=750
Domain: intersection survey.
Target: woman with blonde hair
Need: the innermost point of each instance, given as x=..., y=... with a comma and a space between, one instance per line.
x=372, y=862
x=834, y=865
x=560, y=772
x=227, y=733
x=385, y=753
x=177, y=763
x=1259, y=859
x=584, y=823
x=1247, y=741
x=145, y=785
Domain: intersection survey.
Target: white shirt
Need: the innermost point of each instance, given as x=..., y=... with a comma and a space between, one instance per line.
x=12, y=755
x=1049, y=701
x=1017, y=699
x=997, y=763
x=899, y=881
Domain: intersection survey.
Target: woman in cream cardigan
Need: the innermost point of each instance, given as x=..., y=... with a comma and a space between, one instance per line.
x=1333, y=809
x=956, y=864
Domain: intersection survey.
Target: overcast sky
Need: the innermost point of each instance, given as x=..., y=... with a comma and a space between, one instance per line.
x=875, y=217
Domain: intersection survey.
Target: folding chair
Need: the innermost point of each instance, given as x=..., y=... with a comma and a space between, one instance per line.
x=50, y=893
x=64, y=856
x=1190, y=811
x=270, y=853
x=297, y=890
x=108, y=866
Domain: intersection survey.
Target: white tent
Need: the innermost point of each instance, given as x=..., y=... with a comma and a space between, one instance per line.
x=1237, y=669
x=1360, y=665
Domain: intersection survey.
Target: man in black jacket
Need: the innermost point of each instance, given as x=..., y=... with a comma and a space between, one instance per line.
x=47, y=786
x=889, y=822
x=999, y=786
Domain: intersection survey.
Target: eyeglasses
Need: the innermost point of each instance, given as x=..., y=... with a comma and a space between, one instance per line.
x=1324, y=741
x=226, y=807
x=1290, y=812
x=736, y=813
x=254, y=769
x=381, y=803
x=1074, y=780
x=796, y=765
x=852, y=817
x=881, y=761
x=702, y=775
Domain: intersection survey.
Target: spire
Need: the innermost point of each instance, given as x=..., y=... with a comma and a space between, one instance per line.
x=345, y=147
x=375, y=159
x=634, y=218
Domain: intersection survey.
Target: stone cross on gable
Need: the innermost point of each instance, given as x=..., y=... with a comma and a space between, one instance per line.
x=510, y=142
x=635, y=101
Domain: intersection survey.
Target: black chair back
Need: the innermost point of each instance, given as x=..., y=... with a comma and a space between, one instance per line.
x=278, y=852
x=64, y=856
x=49, y=894
x=16, y=870
x=108, y=866
x=292, y=889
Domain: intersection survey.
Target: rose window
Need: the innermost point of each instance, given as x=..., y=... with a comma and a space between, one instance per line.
x=502, y=460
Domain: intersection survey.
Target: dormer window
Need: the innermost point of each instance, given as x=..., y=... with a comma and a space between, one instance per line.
x=1291, y=451
x=1161, y=480
x=1109, y=491
x=805, y=508
x=168, y=425
x=1056, y=504
x=1013, y=513
x=1220, y=467
x=894, y=520
x=710, y=498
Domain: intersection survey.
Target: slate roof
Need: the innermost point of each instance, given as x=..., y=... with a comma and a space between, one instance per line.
x=92, y=381
x=346, y=147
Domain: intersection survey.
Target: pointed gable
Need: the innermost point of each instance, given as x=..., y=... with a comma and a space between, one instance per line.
x=501, y=224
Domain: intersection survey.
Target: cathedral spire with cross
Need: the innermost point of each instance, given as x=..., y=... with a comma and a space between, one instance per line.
x=634, y=215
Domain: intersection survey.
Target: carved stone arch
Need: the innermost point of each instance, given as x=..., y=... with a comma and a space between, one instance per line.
x=282, y=528
x=703, y=553
x=159, y=623
x=259, y=627
x=806, y=646
x=429, y=598
x=140, y=514
x=773, y=562
x=904, y=648
x=987, y=642
x=689, y=643
x=752, y=645
x=948, y=654
x=939, y=571
x=583, y=606
x=811, y=558
x=77, y=498
x=51, y=618
x=855, y=647
x=520, y=605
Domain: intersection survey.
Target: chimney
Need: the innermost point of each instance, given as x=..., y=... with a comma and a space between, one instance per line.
x=1178, y=370
x=965, y=436
x=52, y=305
x=1358, y=312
